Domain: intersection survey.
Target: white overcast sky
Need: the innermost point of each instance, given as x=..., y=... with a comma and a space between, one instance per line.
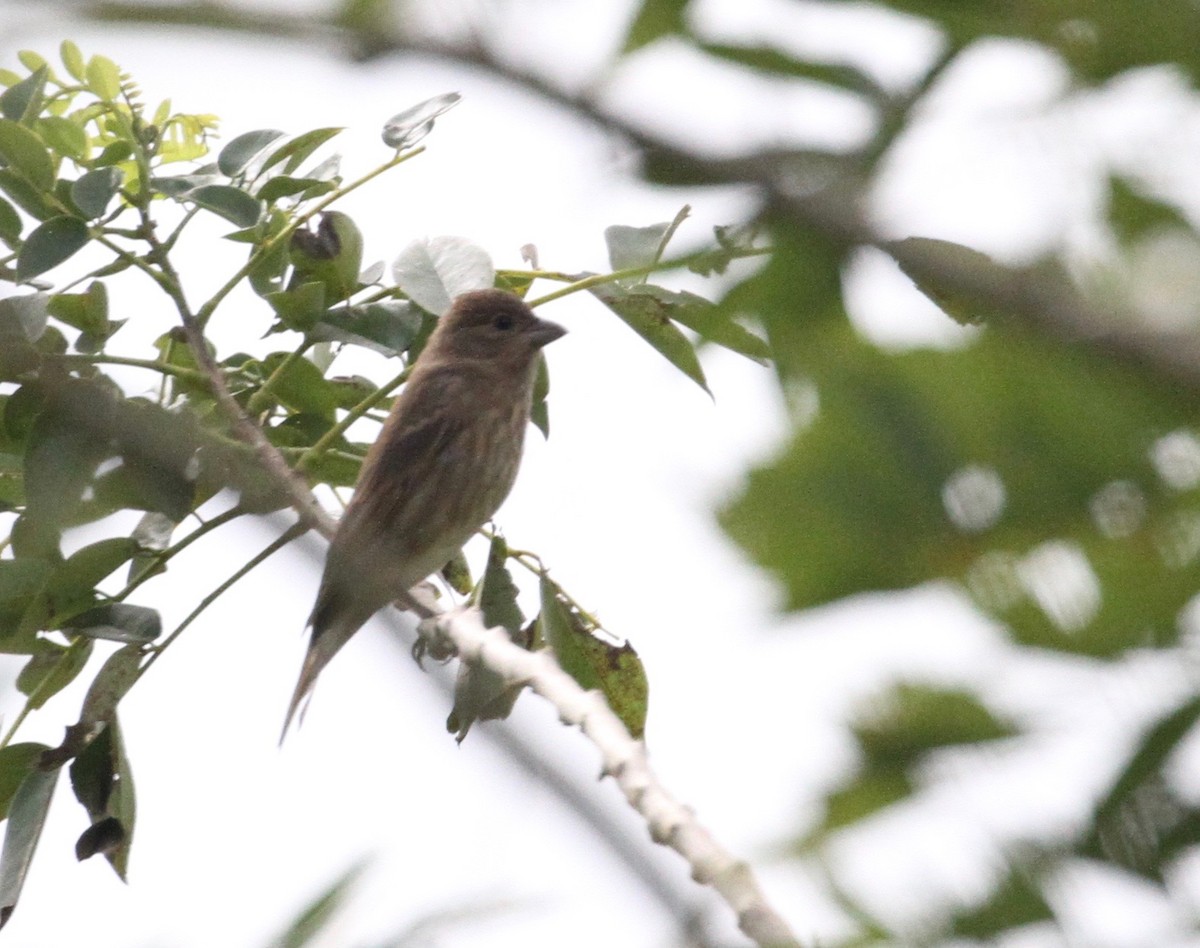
x=234, y=835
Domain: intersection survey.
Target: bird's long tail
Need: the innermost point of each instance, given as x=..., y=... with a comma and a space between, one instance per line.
x=332, y=627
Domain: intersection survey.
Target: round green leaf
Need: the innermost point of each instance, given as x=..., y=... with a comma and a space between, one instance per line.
x=103, y=78
x=73, y=59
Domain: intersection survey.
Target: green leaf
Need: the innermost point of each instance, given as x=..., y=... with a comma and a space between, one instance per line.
x=50, y=244
x=649, y=318
x=300, y=307
x=302, y=387
x=314, y=918
x=1136, y=820
x=914, y=719
x=64, y=136
x=94, y=191
x=62, y=455
x=389, y=327
x=72, y=58
x=987, y=465
x=119, y=622
x=924, y=259
x=595, y=662
x=103, y=78
x=87, y=311
x=1016, y=902
x=283, y=186
x=113, y=153
x=480, y=694
x=51, y=669
x=16, y=762
x=712, y=323
x=116, y=676
x=235, y=156
x=26, y=196
x=24, y=316
x=434, y=270
x=26, y=817
x=296, y=151
x=231, y=203
x=654, y=20
x=26, y=155
x=1133, y=214
x=24, y=100
x=86, y=568
x=331, y=255
x=103, y=784
x=10, y=225
x=770, y=60
x=868, y=792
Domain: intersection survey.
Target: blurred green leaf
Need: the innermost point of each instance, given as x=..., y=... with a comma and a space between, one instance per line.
x=913, y=719
x=314, y=919
x=1016, y=901
x=771, y=60
x=1134, y=214
x=1097, y=38
x=1030, y=434
x=1141, y=824
x=654, y=20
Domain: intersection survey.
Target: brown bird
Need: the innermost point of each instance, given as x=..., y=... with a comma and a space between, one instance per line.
x=444, y=462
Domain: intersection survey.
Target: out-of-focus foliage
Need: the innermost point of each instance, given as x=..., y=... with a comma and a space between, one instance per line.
x=1049, y=465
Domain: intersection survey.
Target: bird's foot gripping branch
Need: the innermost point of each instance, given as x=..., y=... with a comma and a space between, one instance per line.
x=186, y=435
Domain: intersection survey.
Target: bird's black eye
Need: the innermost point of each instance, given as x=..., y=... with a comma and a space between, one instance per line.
x=503, y=322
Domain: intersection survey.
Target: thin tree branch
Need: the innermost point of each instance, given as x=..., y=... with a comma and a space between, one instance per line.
x=625, y=760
